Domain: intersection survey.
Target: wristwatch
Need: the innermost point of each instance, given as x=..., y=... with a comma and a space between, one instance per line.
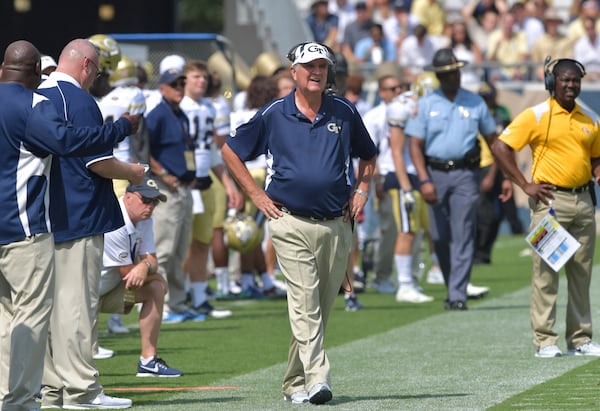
x=149, y=265
x=164, y=172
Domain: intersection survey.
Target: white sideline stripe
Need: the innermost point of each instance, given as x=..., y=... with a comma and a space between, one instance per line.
x=452, y=361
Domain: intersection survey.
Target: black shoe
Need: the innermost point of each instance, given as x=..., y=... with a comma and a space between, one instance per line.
x=455, y=306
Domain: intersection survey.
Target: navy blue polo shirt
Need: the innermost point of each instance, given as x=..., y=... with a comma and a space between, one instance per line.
x=30, y=131
x=307, y=162
x=82, y=203
x=168, y=130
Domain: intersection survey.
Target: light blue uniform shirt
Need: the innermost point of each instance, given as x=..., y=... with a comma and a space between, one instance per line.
x=450, y=128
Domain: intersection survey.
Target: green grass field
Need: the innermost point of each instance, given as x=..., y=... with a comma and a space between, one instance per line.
x=388, y=356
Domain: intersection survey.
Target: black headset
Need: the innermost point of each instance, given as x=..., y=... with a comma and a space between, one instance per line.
x=550, y=75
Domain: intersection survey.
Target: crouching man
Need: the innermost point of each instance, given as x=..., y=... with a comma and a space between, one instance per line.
x=129, y=275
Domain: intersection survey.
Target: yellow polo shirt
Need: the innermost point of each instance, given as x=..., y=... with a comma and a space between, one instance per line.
x=562, y=143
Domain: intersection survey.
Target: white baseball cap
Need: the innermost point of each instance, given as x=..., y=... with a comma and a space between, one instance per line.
x=305, y=53
x=172, y=61
x=47, y=61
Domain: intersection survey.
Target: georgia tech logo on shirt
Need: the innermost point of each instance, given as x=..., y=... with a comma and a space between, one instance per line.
x=586, y=130
x=334, y=128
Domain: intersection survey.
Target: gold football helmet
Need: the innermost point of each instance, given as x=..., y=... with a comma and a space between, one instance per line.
x=125, y=73
x=425, y=83
x=109, y=51
x=241, y=232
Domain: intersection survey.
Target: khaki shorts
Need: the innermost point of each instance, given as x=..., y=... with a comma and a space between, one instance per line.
x=410, y=222
x=117, y=299
x=202, y=224
x=220, y=201
x=119, y=186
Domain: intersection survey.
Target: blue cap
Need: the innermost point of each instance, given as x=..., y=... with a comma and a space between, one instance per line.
x=170, y=76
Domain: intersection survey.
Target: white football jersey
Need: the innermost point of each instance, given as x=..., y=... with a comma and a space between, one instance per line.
x=242, y=117
x=400, y=109
x=376, y=123
x=201, y=116
x=121, y=100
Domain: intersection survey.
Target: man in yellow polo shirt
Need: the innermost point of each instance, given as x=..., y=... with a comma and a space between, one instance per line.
x=565, y=143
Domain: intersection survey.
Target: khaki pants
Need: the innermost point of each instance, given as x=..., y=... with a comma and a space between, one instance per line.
x=26, y=295
x=575, y=212
x=313, y=257
x=70, y=375
x=172, y=236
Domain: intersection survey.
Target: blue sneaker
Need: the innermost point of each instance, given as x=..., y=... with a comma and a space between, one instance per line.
x=208, y=310
x=172, y=318
x=252, y=293
x=157, y=367
x=352, y=303
x=191, y=315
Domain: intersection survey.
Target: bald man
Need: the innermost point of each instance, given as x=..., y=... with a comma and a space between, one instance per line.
x=31, y=130
x=87, y=208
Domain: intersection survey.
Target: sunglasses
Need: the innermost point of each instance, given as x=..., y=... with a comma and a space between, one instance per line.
x=178, y=83
x=148, y=200
x=394, y=88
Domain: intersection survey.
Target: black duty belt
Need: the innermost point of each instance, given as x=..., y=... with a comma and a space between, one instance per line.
x=313, y=218
x=574, y=190
x=446, y=165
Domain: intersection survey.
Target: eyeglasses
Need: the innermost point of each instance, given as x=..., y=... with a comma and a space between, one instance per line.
x=393, y=88
x=148, y=200
x=98, y=72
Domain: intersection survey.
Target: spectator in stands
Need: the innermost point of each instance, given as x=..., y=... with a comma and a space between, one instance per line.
x=481, y=28
x=478, y=8
x=587, y=9
x=380, y=10
x=552, y=43
x=355, y=31
x=528, y=20
x=431, y=14
x=322, y=24
x=344, y=10
x=376, y=48
x=587, y=49
x=416, y=52
x=508, y=48
x=353, y=93
x=399, y=25
x=466, y=50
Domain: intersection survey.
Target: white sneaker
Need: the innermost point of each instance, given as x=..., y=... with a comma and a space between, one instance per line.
x=385, y=287
x=279, y=284
x=589, y=348
x=101, y=402
x=435, y=276
x=103, y=354
x=115, y=325
x=234, y=288
x=411, y=294
x=549, y=351
x=298, y=397
x=474, y=291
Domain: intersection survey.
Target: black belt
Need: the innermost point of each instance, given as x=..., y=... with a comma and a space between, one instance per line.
x=446, y=165
x=574, y=190
x=313, y=218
